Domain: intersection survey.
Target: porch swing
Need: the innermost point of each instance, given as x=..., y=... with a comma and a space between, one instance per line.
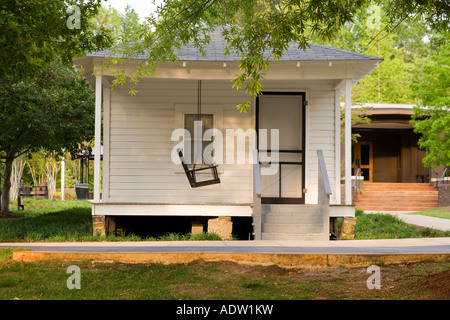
x=191, y=173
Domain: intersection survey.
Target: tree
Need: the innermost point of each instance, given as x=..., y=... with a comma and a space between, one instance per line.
x=388, y=83
x=43, y=104
x=35, y=32
x=256, y=29
x=116, y=24
x=432, y=115
x=403, y=50
x=53, y=110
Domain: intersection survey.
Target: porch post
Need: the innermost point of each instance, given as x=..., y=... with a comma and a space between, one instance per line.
x=257, y=219
x=348, y=141
x=337, y=142
x=63, y=176
x=98, y=132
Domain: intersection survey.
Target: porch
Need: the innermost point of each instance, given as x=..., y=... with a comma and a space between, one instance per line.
x=269, y=221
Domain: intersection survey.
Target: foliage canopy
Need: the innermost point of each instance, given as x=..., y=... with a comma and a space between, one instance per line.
x=256, y=30
x=35, y=32
x=53, y=110
x=432, y=116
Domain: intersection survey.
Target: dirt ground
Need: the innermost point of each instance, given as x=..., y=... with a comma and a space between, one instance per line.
x=418, y=281
x=7, y=215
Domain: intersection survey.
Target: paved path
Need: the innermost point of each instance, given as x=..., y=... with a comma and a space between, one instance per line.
x=419, y=220
x=382, y=246
x=297, y=254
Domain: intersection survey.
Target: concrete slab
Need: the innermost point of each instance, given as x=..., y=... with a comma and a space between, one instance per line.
x=425, y=221
x=283, y=253
x=285, y=260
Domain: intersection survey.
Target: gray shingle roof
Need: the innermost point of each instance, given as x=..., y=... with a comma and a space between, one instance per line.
x=215, y=52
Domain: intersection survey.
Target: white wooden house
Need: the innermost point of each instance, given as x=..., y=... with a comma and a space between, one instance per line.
x=301, y=97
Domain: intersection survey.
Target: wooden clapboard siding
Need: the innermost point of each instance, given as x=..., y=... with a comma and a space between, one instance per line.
x=321, y=135
x=140, y=165
x=141, y=169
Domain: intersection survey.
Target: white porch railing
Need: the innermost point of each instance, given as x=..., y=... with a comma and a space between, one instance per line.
x=257, y=221
x=324, y=193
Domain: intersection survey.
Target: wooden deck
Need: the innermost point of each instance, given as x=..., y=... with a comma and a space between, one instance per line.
x=397, y=197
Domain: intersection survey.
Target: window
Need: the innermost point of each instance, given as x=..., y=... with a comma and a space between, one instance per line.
x=207, y=122
x=212, y=118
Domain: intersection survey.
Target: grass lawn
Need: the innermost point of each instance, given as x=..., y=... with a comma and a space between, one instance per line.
x=69, y=220
x=441, y=212
x=202, y=280
x=385, y=226
x=54, y=220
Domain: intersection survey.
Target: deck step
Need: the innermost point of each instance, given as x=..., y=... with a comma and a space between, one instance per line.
x=397, y=187
x=397, y=197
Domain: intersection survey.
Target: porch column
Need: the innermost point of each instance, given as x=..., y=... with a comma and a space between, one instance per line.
x=98, y=133
x=348, y=141
x=337, y=142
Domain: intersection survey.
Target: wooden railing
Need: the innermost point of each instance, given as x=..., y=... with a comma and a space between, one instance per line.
x=357, y=184
x=324, y=193
x=257, y=222
x=444, y=175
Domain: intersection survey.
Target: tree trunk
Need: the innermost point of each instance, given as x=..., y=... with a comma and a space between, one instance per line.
x=0, y=192
x=6, y=185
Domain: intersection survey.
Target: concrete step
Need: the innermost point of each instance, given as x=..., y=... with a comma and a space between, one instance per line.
x=292, y=228
x=314, y=218
x=294, y=236
x=291, y=222
x=303, y=209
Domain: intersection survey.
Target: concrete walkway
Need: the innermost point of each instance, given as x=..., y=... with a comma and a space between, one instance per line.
x=282, y=253
x=381, y=246
x=419, y=220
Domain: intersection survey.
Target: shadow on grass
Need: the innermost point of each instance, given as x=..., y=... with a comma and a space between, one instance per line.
x=63, y=221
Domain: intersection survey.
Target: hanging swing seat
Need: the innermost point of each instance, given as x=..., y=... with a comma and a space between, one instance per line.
x=191, y=173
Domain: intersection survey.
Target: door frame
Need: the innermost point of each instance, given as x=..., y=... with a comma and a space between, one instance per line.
x=286, y=200
x=357, y=152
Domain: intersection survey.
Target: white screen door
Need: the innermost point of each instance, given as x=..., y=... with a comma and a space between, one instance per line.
x=285, y=112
